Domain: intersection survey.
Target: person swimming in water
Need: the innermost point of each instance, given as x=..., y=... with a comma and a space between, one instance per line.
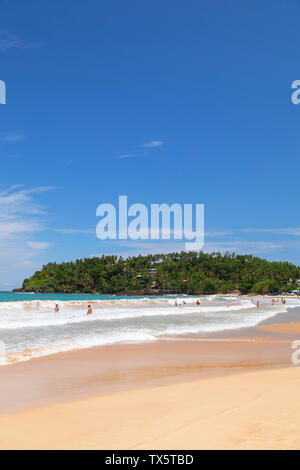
x=229, y=304
x=90, y=310
x=56, y=308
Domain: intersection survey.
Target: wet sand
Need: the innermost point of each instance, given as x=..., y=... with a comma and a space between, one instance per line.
x=209, y=392
x=283, y=328
x=77, y=374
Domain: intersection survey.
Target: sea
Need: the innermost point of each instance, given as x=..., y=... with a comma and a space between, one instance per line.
x=30, y=328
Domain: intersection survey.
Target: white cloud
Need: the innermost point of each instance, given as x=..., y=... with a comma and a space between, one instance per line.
x=125, y=155
x=21, y=217
x=38, y=245
x=217, y=234
x=153, y=143
x=143, y=248
x=261, y=248
x=71, y=231
x=11, y=137
x=16, y=203
x=294, y=231
x=11, y=41
x=8, y=41
x=242, y=246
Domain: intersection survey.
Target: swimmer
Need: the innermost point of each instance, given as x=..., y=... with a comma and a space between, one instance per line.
x=229, y=304
x=90, y=310
x=56, y=308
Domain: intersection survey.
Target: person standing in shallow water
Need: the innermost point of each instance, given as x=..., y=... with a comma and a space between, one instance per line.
x=56, y=309
x=90, y=310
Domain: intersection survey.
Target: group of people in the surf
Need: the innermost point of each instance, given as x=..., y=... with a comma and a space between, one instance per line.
x=181, y=304
x=89, y=310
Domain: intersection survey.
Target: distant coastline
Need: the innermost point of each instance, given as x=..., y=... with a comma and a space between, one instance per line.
x=141, y=293
x=133, y=293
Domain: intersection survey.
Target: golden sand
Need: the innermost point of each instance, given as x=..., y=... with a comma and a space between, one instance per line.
x=256, y=410
x=232, y=394
x=286, y=328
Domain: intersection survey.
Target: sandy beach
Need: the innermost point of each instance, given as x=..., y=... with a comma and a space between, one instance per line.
x=258, y=410
x=210, y=393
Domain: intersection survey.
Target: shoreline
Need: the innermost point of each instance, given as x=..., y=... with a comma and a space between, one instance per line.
x=156, y=396
x=107, y=369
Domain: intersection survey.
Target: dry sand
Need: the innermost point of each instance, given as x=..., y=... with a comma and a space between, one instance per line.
x=256, y=410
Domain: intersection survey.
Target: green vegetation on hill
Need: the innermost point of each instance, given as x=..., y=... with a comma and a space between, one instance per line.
x=180, y=273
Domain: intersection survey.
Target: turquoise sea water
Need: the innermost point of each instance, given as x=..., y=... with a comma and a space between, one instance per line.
x=20, y=296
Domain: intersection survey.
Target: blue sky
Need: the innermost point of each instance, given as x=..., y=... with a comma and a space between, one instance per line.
x=163, y=101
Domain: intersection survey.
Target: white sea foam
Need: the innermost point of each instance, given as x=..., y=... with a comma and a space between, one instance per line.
x=32, y=328
x=231, y=322
x=43, y=317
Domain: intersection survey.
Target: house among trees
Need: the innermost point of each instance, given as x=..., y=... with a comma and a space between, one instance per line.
x=153, y=272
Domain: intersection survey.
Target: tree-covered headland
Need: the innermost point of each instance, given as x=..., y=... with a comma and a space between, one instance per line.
x=178, y=273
